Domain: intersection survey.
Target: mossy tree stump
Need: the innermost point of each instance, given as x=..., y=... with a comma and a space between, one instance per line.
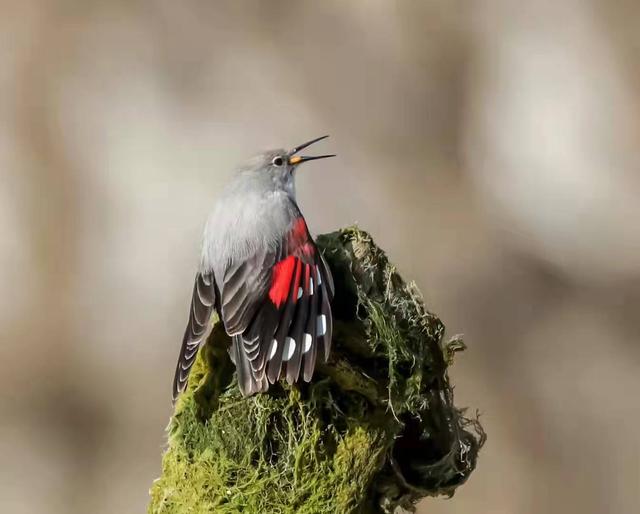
x=375, y=430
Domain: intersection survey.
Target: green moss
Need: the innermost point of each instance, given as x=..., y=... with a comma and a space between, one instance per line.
x=376, y=429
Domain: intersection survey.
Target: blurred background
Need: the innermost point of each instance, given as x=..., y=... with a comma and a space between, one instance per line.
x=491, y=147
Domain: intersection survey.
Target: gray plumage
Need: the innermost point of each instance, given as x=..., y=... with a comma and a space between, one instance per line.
x=261, y=271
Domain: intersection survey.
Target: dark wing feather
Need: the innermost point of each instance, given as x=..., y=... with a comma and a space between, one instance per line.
x=246, y=380
x=282, y=341
x=243, y=288
x=296, y=331
x=310, y=333
x=326, y=277
x=325, y=320
x=202, y=305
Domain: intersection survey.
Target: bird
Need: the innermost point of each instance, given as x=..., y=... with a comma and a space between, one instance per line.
x=262, y=273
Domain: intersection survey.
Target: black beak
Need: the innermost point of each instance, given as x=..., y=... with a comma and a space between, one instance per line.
x=295, y=159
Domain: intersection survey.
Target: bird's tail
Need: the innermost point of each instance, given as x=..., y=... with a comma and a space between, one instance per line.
x=246, y=380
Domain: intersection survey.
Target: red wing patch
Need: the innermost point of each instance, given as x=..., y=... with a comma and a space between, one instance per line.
x=299, y=247
x=299, y=242
x=281, y=280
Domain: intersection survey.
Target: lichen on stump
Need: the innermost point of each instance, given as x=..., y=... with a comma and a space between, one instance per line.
x=375, y=430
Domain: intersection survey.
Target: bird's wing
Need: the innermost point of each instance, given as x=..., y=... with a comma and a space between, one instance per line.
x=276, y=305
x=202, y=305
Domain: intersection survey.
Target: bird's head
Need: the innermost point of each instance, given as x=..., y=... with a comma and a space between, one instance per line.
x=279, y=166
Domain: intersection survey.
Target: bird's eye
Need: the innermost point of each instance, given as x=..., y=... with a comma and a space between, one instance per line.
x=277, y=161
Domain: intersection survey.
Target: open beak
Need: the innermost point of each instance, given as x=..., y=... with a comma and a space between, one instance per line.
x=297, y=159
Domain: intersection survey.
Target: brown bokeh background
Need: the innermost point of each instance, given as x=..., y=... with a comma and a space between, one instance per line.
x=491, y=147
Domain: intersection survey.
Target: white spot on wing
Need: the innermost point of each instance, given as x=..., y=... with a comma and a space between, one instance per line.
x=310, y=287
x=272, y=350
x=306, y=341
x=289, y=348
x=321, y=325
x=299, y=293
